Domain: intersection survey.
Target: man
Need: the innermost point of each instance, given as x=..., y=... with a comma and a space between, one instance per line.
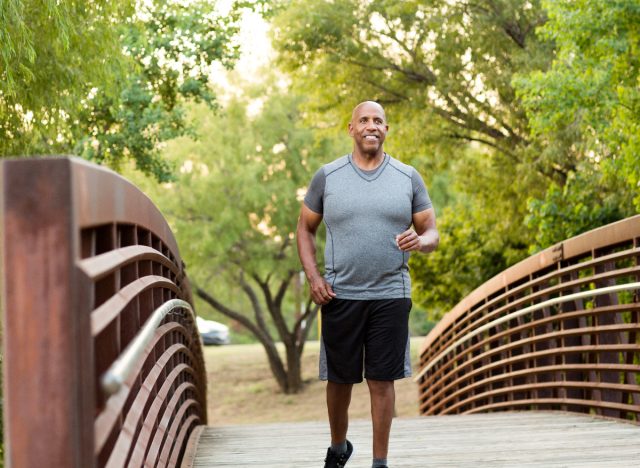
x=368, y=201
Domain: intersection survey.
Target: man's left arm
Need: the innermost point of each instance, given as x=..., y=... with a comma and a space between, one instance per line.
x=424, y=236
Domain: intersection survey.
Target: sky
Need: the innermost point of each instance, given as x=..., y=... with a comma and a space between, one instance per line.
x=255, y=50
x=254, y=42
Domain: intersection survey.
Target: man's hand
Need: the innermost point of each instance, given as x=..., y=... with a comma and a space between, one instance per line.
x=408, y=240
x=321, y=291
x=425, y=238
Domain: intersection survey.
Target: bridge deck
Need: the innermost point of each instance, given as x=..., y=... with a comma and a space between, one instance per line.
x=523, y=439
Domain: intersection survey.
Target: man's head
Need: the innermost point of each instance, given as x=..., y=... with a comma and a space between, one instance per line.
x=368, y=128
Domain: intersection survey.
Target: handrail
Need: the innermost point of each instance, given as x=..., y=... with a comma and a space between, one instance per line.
x=506, y=283
x=92, y=274
x=123, y=367
x=521, y=312
x=532, y=337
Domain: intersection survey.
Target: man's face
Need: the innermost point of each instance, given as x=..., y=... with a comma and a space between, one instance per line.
x=368, y=127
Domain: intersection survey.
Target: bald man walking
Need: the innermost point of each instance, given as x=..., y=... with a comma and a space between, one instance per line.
x=377, y=211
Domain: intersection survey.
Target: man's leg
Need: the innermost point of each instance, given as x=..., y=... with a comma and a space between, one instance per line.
x=386, y=360
x=383, y=398
x=338, y=400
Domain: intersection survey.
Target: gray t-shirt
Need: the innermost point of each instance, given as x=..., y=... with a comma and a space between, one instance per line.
x=363, y=212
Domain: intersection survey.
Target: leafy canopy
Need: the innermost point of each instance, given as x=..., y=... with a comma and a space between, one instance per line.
x=443, y=70
x=588, y=105
x=236, y=197
x=107, y=80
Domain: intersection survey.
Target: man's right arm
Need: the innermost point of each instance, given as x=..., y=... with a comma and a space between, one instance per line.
x=308, y=224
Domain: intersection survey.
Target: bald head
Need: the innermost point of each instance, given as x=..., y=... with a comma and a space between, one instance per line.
x=368, y=128
x=366, y=104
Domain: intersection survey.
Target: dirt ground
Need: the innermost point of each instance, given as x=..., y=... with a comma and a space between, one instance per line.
x=241, y=389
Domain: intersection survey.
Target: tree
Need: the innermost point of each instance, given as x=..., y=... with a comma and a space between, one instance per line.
x=443, y=70
x=52, y=53
x=234, y=207
x=107, y=80
x=452, y=60
x=587, y=105
x=173, y=46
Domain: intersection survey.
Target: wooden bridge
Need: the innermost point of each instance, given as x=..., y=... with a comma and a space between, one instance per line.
x=103, y=367
x=490, y=440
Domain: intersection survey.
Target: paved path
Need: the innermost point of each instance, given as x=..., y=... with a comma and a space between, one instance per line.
x=521, y=439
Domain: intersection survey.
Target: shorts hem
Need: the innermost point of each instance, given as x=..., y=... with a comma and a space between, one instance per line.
x=386, y=378
x=372, y=297
x=325, y=379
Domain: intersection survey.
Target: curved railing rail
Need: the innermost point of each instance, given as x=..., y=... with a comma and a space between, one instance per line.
x=558, y=331
x=103, y=363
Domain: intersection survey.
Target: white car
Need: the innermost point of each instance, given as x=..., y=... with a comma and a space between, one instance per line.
x=212, y=333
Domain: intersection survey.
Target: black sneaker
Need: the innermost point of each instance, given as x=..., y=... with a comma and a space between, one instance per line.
x=334, y=460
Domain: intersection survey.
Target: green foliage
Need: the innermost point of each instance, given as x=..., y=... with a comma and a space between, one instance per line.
x=474, y=250
x=236, y=201
x=37, y=36
x=52, y=54
x=173, y=46
x=587, y=106
x=104, y=79
x=585, y=202
x=443, y=71
x=419, y=323
x=234, y=207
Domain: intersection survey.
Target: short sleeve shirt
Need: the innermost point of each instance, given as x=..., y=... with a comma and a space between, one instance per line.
x=363, y=212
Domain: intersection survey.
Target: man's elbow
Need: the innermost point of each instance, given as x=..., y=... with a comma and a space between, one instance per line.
x=304, y=232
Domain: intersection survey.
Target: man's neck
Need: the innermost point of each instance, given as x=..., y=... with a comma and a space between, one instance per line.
x=367, y=162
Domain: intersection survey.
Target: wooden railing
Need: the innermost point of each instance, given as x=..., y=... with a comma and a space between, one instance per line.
x=103, y=364
x=558, y=331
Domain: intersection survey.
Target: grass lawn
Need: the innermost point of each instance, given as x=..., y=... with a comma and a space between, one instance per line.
x=241, y=389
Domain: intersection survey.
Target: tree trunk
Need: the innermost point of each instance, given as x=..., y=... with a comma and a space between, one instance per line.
x=289, y=377
x=275, y=362
x=294, y=368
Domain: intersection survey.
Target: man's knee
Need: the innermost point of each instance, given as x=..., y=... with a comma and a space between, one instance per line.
x=381, y=387
x=339, y=389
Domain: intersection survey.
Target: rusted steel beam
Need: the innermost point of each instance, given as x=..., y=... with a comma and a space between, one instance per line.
x=87, y=259
x=48, y=350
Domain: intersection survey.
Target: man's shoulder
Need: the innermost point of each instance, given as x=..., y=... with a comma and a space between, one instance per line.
x=335, y=165
x=405, y=169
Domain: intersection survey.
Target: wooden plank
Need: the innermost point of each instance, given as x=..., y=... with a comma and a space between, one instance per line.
x=509, y=439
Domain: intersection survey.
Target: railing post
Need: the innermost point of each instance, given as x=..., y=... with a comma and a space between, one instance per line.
x=48, y=355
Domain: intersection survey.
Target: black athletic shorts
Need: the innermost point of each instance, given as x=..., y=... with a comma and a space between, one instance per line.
x=369, y=334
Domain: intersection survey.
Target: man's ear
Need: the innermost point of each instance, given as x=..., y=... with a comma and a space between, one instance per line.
x=350, y=127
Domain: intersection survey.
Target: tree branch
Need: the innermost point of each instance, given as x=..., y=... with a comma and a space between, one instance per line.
x=483, y=141
x=275, y=362
x=274, y=307
x=384, y=89
x=283, y=288
x=411, y=75
x=310, y=313
x=232, y=314
x=255, y=302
